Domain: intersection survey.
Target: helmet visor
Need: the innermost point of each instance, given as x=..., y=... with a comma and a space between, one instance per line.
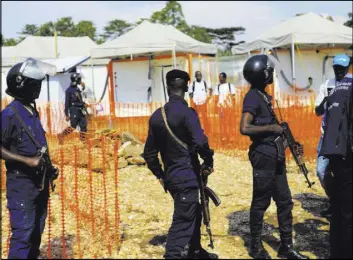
x=36, y=69
x=273, y=63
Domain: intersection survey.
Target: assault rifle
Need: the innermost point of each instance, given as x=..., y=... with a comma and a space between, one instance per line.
x=205, y=194
x=47, y=169
x=287, y=140
x=84, y=109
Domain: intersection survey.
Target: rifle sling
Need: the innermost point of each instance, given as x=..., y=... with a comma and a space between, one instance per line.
x=22, y=123
x=170, y=130
x=268, y=104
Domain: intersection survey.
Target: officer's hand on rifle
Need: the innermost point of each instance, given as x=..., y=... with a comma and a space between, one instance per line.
x=206, y=170
x=33, y=161
x=299, y=149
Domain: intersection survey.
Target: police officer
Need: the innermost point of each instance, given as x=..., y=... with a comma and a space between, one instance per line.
x=26, y=203
x=337, y=146
x=74, y=106
x=181, y=166
x=269, y=168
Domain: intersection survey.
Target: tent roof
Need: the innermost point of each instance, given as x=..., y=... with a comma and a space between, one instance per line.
x=309, y=30
x=43, y=47
x=151, y=38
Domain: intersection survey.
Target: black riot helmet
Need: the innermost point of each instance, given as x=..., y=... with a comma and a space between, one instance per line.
x=258, y=70
x=24, y=80
x=75, y=78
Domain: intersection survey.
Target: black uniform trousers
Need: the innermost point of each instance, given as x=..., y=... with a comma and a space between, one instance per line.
x=341, y=205
x=186, y=225
x=270, y=181
x=77, y=118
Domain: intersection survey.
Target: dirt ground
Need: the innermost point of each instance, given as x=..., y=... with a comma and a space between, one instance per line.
x=146, y=215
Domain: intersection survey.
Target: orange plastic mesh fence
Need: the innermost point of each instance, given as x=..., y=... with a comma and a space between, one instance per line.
x=84, y=208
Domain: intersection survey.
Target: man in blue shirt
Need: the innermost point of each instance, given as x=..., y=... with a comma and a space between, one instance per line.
x=320, y=110
x=74, y=109
x=337, y=147
x=26, y=200
x=269, y=167
x=180, y=175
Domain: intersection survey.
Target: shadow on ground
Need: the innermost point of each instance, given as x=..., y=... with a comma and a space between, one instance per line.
x=308, y=236
x=57, y=248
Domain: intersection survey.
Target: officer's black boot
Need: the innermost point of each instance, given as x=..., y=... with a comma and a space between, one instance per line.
x=287, y=250
x=201, y=254
x=257, y=250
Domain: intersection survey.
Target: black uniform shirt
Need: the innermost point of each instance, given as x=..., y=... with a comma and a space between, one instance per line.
x=72, y=99
x=181, y=167
x=255, y=105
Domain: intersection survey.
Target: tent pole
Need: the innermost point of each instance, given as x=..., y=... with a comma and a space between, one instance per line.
x=293, y=65
x=48, y=88
x=174, y=56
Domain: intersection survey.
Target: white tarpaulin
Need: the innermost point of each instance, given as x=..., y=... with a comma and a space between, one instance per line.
x=65, y=64
x=41, y=47
x=151, y=38
x=308, y=30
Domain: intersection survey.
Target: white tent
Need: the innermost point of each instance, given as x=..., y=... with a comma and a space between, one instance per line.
x=308, y=30
x=71, y=52
x=139, y=79
x=317, y=38
x=152, y=38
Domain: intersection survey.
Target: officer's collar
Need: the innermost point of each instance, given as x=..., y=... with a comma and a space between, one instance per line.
x=177, y=98
x=22, y=107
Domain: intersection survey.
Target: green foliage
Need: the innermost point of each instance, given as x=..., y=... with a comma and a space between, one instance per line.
x=46, y=29
x=86, y=28
x=65, y=27
x=29, y=29
x=349, y=23
x=116, y=28
x=10, y=42
x=171, y=14
x=1, y=39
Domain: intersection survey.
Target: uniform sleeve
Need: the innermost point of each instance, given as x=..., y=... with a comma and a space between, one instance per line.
x=232, y=89
x=150, y=154
x=198, y=138
x=67, y=102
x=7, y=126
x=250, y=104
x=321, y=95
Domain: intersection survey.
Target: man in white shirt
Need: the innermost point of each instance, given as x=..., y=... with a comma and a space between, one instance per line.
x=198, y=89
x=224, y=88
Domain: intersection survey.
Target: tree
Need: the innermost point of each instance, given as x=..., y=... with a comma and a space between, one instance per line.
x=224, y=37
x=171, y=14
x=349, y=23
x=46, y=29
x=116, y=28
x=29, y=29
x=1, y=39
x=141, y=21
x=65, y=27
x=200, y=34
x=85, y=28
x=10, y=42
